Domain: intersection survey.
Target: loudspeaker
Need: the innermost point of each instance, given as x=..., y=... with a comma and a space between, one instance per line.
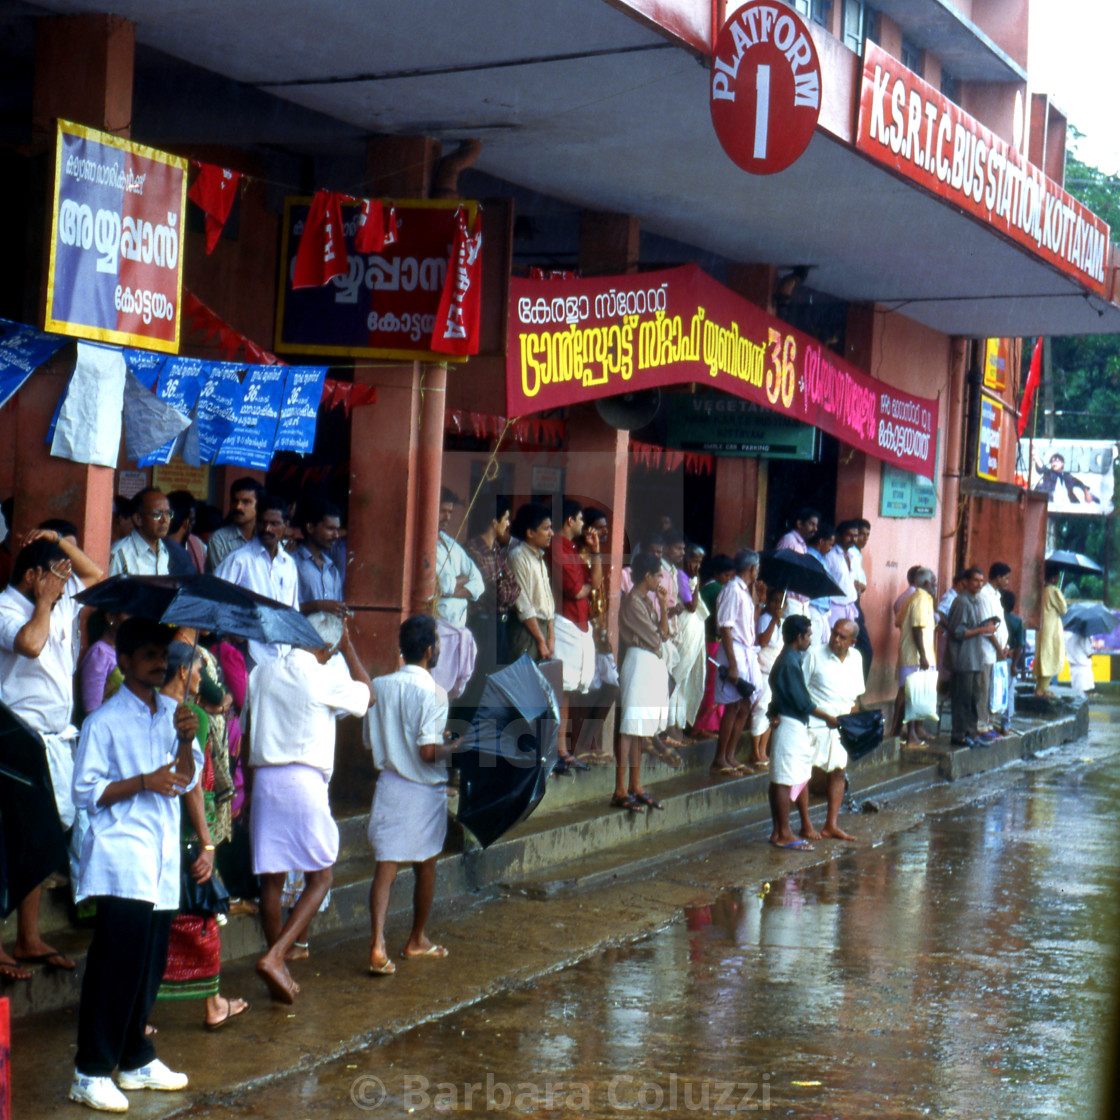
x=630, y=411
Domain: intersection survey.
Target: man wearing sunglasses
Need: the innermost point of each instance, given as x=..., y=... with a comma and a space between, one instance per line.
x=142, y=552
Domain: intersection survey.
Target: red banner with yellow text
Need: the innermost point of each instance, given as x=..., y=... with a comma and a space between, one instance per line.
x=577, y=340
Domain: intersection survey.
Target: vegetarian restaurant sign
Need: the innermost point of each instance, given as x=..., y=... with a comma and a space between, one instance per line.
x=914, y=130
x=577, y=340
x=116, y=259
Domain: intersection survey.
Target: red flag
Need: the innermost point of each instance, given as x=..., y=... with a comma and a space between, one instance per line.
x=370, y=237
x=322, y=251
x=1032, y=384
x=213, y=192
x=391, y=230
x=457, y=318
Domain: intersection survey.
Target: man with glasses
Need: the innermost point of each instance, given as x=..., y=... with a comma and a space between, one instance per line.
x=143, y=552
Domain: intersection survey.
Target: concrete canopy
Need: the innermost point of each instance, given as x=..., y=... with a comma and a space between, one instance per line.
x=579, y=101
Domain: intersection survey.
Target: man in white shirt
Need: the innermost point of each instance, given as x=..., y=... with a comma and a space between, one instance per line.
x=142, y=552
x=834, y=678
x=460, y=581
x=265, y=567
x=243, y=494
x=138, y=754
x=408, y=820
x=738, y=657
x=999, y=576
x=38, y=655
x=838, y=566
x=294, y=702
x=862, y=534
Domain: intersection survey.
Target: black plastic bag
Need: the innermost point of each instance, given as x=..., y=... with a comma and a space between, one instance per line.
x=861, y=732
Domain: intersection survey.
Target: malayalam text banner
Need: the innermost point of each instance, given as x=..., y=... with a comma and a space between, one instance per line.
x=116, y=241
x=572, y=341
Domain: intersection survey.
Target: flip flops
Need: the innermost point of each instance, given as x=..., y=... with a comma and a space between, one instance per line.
x=229, y=1016
x=795, y=846
x=386, y=969
x=436, y=951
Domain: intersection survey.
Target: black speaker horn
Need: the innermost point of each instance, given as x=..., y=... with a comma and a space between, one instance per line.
x=630, y=411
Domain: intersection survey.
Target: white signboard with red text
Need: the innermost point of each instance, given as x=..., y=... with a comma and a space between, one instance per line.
x=907, y=125
x=765, y=87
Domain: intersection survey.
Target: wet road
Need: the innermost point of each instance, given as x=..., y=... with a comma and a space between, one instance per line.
x=961, y=969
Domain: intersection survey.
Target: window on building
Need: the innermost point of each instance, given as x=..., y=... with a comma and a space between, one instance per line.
x=911, y=56
x=815, y=10
x=951, y=86
x=860, y=23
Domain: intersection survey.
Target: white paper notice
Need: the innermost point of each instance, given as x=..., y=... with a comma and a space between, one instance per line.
x=89, y=425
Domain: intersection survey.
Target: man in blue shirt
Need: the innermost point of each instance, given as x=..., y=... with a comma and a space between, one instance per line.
x=320, y=581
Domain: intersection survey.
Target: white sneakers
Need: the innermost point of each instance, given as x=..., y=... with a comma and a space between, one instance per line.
x=98, y=1092
x=101, y=1093
x=155, y=1075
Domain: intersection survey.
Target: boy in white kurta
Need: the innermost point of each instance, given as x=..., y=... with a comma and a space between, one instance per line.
x=136, y=757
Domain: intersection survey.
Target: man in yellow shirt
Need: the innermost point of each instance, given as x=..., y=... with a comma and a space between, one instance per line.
x=917, y=622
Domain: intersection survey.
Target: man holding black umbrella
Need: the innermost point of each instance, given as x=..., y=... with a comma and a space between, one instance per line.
x=408, y=821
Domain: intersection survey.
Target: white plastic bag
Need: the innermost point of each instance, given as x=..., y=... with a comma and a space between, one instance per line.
x=1001, y=684
x=921, y=695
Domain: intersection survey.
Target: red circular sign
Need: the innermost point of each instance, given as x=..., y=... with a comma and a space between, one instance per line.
x=766, y=87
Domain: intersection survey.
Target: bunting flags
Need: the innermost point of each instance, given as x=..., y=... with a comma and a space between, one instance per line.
x=214, y=192
x=377, y=226
x=461, y=303
x=322, y=249
x=347, y=395
x=485, y=425
x=1029, y=388
x=652, y=457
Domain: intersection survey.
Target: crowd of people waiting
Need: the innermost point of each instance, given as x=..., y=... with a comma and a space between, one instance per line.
x=163, y=717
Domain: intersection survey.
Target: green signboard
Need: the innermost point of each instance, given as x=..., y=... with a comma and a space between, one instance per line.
x=719, y=424
x=906, y=495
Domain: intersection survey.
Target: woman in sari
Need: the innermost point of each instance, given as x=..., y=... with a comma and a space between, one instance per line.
x=194, y=952
x=1050, y=656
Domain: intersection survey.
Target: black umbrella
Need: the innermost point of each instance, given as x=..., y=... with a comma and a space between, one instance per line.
x=31, y=834
x=1073, y=562
x=1088, y=619
x=204, y=602
x=792, y=571
x=508, y=752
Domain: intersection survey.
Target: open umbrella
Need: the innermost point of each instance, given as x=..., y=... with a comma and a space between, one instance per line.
x=204, y=602
x=1088, y=619
x=1073, y=562
x=32, y=844
x=508, y=751
x=793, y=571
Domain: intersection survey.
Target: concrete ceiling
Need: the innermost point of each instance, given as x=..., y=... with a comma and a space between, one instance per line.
x=579, y=102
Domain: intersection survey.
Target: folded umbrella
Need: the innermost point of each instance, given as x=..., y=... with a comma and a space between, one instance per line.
x=204, y=602
x=793, y=571
x=1088, y=619
x=508, y=751
x=32, y=843
x=1073, y=562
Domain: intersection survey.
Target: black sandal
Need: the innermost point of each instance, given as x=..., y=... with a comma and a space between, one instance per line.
x=628, y=802
x=645, y=799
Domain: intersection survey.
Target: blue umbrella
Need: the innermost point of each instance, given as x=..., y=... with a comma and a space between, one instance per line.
x=204, y=602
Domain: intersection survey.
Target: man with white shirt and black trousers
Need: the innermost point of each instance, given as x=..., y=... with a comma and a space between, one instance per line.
x=137, y=756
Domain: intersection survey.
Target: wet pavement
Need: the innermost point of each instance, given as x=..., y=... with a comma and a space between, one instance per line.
x=962, y=967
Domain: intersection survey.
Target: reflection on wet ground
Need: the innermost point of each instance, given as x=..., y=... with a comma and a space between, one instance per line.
x=962, y=969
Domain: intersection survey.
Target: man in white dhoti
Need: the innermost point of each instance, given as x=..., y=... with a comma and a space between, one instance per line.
x=791, y=749
x=294, y=702
x=690, y=669
x=834, y=678
x=408, y=821
x=737, y=660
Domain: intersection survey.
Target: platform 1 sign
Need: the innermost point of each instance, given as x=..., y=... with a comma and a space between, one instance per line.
x=765, y=87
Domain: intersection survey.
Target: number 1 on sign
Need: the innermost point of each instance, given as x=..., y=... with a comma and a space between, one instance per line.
x=762, y=112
